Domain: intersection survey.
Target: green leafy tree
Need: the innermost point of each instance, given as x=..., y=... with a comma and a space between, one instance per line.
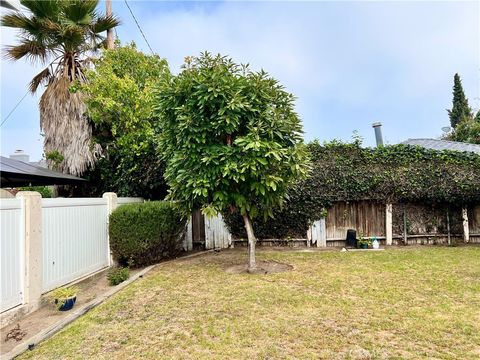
x=231, y=139
x=119, y=97
x=61, y=34
x=460, y=109
x=467, y=131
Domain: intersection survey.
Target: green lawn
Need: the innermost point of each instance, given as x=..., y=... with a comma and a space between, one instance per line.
x=407, y=303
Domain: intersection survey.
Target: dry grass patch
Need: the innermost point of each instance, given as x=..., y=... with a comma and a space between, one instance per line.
x=407, y=303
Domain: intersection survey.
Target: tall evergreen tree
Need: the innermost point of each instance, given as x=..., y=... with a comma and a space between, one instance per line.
x=460, y=108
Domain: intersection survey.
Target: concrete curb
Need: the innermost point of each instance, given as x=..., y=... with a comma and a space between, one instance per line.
x=53, y=329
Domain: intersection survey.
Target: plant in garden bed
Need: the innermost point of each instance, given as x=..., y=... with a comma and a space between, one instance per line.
x=364, y=243
x=117, y=275
x=64, y=297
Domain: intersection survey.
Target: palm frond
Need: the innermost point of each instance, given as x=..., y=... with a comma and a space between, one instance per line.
x=42, y=77
x=104, y=23
x=44, y=8
x=51, y=27
x=17, y=20
x=32, y=49
x=66, y=127
x=79, y=11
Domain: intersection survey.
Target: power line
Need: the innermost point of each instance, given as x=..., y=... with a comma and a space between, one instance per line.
x=139, y=28
x=11, y=111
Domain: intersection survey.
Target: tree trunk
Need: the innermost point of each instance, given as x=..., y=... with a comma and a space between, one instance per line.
x=251, y=243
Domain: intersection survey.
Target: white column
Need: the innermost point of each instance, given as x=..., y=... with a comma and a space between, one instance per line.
x=466, y=230
x=33, y=281
x=112, y=204
x=388, y=225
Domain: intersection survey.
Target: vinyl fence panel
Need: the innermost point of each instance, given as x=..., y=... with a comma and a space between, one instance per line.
x=75, y=239
x=12, y=253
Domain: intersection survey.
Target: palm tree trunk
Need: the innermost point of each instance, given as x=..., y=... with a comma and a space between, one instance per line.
x=251, y=243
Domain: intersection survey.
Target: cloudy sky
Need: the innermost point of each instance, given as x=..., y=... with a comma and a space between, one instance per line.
x=348, y=63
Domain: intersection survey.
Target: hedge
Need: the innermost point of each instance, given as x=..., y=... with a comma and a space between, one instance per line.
x=143, y=234
x=348, y=172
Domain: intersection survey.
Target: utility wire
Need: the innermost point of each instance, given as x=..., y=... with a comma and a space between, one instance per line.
x=139, y=28
x=11, y=111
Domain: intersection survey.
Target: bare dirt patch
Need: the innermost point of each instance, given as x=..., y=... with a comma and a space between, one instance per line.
x=33, y=323
x=263, y=267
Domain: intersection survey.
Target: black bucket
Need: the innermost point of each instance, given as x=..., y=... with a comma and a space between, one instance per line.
x=351, y=240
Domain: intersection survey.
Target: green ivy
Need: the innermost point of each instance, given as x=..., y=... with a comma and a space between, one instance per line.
x=348, y=172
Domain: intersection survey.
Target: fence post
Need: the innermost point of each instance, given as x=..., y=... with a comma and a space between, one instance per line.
x=388, y=225
x=466, y=230
x=33, y=281
x=112, y=204
x=188, y=243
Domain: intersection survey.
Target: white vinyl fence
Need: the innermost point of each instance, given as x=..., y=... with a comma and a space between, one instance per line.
x=75, y=239
x=47, y=243
x=12, y=253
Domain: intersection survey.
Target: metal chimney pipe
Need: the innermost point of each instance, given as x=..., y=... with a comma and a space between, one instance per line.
x=378, y=133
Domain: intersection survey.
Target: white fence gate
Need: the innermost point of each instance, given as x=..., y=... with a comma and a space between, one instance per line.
x=75, y=239
x=217, y=235
x=317, y=233
x=12, y=253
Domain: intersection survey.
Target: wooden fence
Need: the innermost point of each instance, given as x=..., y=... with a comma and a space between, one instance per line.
x=206, y=233
x=367, y=218
x=391, y=224
x=474, y=223
x=409, y=223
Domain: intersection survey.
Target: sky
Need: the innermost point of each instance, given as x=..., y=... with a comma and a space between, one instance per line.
x=349, y=64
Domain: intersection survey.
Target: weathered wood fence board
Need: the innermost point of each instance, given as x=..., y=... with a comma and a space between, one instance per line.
x=367, y=218
x=422, y=219
x=318, y=233
x=217, y=235
x=474, y=219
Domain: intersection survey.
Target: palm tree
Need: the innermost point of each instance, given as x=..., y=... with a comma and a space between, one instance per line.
x=63, y=35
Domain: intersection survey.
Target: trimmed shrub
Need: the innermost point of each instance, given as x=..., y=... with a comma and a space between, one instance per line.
x=143, y=234
x=117, y=275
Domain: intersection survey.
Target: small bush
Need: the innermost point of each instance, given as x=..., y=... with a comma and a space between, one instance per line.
x=45, y=191
x=118, y=275
x=143, y=234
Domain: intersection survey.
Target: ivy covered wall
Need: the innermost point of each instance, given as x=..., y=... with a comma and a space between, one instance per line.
x=395, y=174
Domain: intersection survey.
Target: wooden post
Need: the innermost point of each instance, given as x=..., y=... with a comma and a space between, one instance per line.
x=322, y=233
x=448, y=228
x=110, y=43
x=388, y=225
x=466, y=230
x=404, y=226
